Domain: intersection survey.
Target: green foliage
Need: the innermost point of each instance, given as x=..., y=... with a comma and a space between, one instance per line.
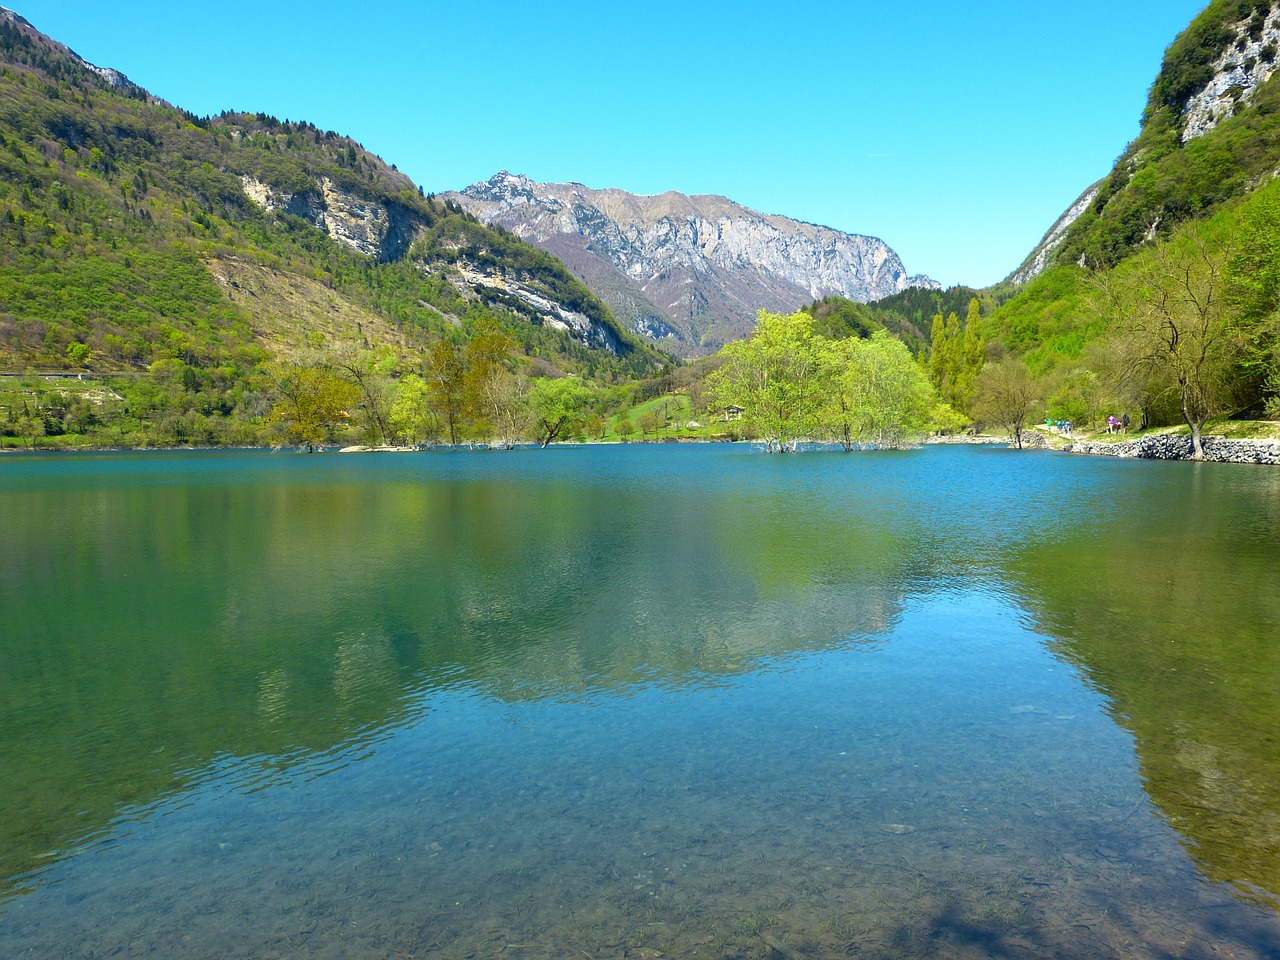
x=1171, y=317
x=793, y=384
x=878, y=396
x=1090, y=336
x=957, y=354
x=312, y=402
x=907, y=315
x=411, y=416
x=559, y=407
x=1049, y=319
x=778, y=377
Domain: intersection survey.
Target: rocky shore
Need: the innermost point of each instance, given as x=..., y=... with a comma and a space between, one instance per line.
x=1169, y=446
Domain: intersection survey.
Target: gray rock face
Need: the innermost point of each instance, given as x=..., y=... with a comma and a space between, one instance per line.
x=690, y=273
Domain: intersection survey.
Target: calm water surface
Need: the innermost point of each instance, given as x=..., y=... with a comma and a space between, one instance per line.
x=638, y=702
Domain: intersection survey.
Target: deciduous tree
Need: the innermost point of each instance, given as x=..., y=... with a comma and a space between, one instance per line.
x=1007, y=394
x=891, y=398
x=447, y=388
x=312, y=401
x=559, y=406
x=1170, y=311
x=779, y=377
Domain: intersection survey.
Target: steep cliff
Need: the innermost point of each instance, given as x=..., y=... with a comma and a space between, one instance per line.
x=690, y=272
x=1210, y=134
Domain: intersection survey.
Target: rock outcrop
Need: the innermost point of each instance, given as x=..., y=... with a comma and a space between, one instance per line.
x=1248, y=62
x=376, y=229
x=688, y=272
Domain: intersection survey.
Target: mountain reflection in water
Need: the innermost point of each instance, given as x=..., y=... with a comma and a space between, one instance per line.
x=710, y=699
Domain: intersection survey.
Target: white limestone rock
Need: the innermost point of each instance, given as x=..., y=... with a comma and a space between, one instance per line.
x=1237, y=74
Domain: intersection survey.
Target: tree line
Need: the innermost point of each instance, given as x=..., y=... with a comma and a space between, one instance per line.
x=469, y=393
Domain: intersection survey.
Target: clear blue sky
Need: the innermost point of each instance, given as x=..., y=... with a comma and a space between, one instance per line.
x=955, y=132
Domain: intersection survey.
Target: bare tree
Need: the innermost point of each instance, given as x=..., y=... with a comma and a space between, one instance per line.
x=1170, y=312
x=1007, y=394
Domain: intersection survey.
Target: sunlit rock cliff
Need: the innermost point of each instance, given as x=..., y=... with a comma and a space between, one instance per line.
x=690, y=272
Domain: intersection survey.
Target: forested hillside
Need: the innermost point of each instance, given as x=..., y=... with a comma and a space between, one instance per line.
x=185, y=255
x=1195, y=152
x=1161, y=299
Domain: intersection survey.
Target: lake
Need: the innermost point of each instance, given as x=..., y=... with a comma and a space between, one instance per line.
x=624, y=701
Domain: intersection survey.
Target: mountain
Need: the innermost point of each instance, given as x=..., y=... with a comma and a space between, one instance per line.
x=1210, y=135
x=688, y=272
x=132, y=231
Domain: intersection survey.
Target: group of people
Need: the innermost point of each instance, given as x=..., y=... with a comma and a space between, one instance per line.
x=1118, y=425
x=1114, y=425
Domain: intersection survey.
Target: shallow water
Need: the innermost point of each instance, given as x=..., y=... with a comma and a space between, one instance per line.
x=630, y=702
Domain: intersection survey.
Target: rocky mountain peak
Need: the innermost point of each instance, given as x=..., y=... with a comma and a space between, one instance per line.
x=689, y=271
x=506, y=188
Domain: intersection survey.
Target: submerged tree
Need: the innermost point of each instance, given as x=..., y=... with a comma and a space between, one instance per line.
x=778, y=377
x=878, y=394
x=446, y=388
x=559, y=406
x=368, y=373
x=896, y=396
x=312, y=401
x=411, y=416
x=494, y=395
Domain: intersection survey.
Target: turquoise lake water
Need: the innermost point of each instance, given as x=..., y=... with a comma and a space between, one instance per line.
x=680, y=701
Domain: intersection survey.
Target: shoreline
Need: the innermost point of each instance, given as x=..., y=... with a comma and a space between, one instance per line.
x=1174, y=446
x=1159, y=446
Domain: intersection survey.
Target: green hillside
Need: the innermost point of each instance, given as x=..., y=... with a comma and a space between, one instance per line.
x=136, y=239
x=1160, y=181
x=1161, y=301
x=907, y=315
